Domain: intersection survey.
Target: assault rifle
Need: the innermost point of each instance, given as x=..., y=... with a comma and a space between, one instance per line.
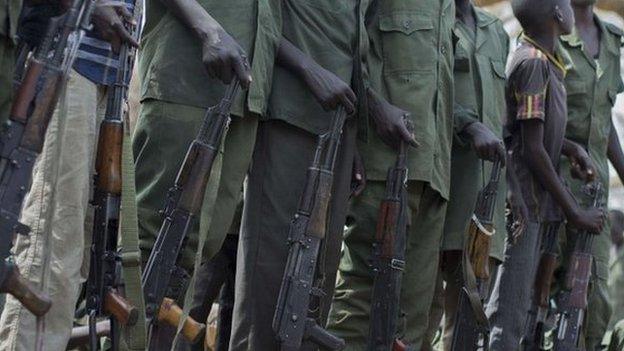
x=102, y=286
x=388, y=259
x=572, y=301
x=163, y=282
x=21, y=139
x=471, y=331
x=536, y=326
x=292, y=322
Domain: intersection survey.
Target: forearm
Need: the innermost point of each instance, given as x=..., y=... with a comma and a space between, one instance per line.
x=291, y=57
x=615, y=154
x=195, y=18
x=569, y=147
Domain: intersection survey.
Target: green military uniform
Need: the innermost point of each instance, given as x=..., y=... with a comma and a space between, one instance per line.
x=411, y=64
x=175, y=92
x=592, y=86
x=9, y=14
x=326, y=31
x=479, y=74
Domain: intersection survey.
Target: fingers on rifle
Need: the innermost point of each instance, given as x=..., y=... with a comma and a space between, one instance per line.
x=124, y=35
x=226, y=72
x=242, y=70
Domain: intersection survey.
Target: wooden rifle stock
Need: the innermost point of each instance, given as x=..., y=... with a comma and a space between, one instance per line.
x=117, y=306
x=172, y=314
x=34, y=301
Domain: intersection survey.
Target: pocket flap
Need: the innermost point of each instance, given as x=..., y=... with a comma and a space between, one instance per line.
x=406, y=23
x=499, y=68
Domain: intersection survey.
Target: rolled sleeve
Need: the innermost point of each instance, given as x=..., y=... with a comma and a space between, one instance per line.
x=530, y=84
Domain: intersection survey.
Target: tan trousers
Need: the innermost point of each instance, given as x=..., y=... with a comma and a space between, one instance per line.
x=54, y=255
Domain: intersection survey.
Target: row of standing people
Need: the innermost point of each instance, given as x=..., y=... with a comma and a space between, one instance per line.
x=440, y=62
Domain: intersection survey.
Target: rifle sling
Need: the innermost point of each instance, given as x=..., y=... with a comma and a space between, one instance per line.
x=135, y=336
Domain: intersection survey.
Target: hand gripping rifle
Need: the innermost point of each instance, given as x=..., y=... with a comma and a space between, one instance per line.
x=102, y=286
x=292, y=322
x=21, y=139
x=163, y=281
x=572, y=301
x=388, y=258
x=536, y=324
x=471, y=331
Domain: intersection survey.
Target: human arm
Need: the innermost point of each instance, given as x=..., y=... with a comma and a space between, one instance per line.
x=582, y=166
x=485, y=143
x=541, y=167
x=390, y=121
x=223, y=58
x=110, y=20
x=329, y=90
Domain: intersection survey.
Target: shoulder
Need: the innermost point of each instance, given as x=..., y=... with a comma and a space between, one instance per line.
x=613, y=29
x=491, y=20
x=528, y=64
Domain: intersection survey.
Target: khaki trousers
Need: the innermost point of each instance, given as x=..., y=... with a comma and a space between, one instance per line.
x=54, y=256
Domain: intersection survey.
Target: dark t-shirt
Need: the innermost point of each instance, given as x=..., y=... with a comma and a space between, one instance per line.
x=535, y=91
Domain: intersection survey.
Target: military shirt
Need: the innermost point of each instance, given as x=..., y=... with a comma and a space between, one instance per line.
x=9, y=14
x=170, y=58
x=479, y=76
x=535, y=91
x=326, y=31
x=411, y=65
x=592, y=86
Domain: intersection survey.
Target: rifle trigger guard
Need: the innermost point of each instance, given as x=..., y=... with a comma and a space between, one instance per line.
x=397, y=264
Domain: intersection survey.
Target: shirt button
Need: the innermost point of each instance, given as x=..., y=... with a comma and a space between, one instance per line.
x=407, y=24
x=443, y=50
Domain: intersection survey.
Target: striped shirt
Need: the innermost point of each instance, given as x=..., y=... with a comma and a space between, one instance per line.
x=95, y=59
x=535, y=91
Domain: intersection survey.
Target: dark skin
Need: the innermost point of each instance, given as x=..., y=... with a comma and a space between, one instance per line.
x=532, y=131
x=223, y=58
x=485, y=143
x=586, y=26
x=110, y=22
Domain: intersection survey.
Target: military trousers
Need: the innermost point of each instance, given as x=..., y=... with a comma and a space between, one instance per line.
x=7, y=63
x=162, y=136
x=276, y=181
x=349, y=316
x=54, y=256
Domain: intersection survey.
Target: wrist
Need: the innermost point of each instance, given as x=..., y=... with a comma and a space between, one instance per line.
x=208, y=32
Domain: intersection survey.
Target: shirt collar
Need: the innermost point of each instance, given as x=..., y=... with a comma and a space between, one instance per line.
x=558, y=59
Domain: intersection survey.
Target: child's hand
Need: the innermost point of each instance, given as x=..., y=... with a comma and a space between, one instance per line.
x=592, y=220
x=582, y=165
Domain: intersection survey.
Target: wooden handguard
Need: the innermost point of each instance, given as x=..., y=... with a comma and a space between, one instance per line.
x=171, y=314
x=80, y=335
x=193, y=176
x=318, y=218
x=118, y=307
x=545, y=272
x=34, y=301
x=386, y=227
x=478, y=246
x=577, y=279
x=108, y=160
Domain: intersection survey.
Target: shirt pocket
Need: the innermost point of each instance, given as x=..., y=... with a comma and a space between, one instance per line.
x=408, y=41
x=494, y=107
